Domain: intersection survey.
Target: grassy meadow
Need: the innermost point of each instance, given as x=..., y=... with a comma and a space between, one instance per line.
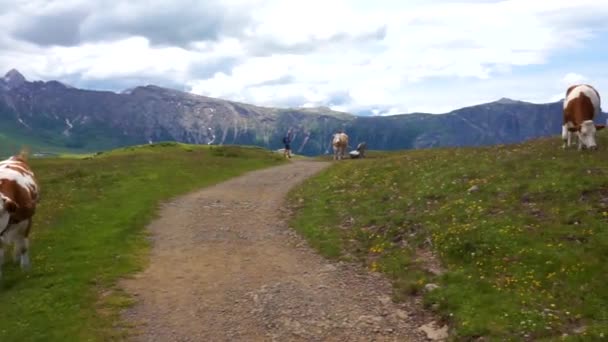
x=525, y=252
x=89, y=231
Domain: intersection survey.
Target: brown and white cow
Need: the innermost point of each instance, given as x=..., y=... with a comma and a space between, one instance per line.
x=18, y=199
x=339, y=143
x=581, y=105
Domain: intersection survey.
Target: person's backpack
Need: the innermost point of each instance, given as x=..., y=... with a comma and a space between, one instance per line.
x=285, y=140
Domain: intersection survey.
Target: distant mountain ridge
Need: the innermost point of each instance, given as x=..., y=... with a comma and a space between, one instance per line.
x=58, y=115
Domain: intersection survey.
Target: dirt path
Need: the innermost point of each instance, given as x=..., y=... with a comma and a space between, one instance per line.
x=226, y=267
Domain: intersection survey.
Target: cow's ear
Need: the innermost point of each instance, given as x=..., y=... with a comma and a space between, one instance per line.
x=10, y=206
x=600, y=127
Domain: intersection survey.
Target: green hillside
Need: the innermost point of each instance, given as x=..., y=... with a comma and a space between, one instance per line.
x=13, y=139
x=89, y=231
x=521, y=231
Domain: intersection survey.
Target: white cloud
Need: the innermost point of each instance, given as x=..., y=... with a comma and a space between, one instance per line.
x=460, y=40
x=386, y=56
x=573, y=78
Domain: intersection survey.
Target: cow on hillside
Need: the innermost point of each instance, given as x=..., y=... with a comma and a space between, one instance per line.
x=339, y=144
x=581, y=105
x=18, y=199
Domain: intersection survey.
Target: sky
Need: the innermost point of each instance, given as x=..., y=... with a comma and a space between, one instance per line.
x=380, y=57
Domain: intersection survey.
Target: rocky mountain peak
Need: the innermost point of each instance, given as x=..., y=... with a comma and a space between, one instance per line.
x=506, y=100
x=13, y=79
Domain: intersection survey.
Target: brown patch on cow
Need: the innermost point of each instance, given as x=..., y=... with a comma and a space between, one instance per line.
x=22, y=197
x=25, y=198
x=10, y=206
x=578, y=110
x=19, y=167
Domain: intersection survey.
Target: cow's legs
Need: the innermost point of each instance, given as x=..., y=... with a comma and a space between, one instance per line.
x=1, y=256
x=25, y=254
x=21, y=248
x=337, y=152
x=22, y=252
x=566, y=136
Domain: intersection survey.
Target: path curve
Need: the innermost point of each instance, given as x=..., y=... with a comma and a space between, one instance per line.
x=225, y=266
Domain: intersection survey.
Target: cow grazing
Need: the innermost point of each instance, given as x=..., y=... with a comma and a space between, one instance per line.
x=18, y=199
x=339, y=143
x=581, y=105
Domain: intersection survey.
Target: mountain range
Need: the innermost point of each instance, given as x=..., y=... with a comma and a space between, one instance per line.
x=52, y=115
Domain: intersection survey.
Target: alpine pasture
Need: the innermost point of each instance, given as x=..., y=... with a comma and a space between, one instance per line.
x=520, y=231
x=514, y=236
x=89, y=231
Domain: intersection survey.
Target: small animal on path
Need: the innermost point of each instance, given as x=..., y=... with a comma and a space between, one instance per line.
x=581, y=105
x=339, y=144
x=18, y=199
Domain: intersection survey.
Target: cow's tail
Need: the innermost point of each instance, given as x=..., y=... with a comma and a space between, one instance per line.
x=24, y=153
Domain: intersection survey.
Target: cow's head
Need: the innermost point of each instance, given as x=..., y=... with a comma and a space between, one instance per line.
x=586, y=133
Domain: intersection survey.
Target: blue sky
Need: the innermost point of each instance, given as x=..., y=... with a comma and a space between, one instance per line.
x=375, y=57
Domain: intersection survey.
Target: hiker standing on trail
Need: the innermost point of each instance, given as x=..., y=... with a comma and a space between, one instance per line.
x=287, y=143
